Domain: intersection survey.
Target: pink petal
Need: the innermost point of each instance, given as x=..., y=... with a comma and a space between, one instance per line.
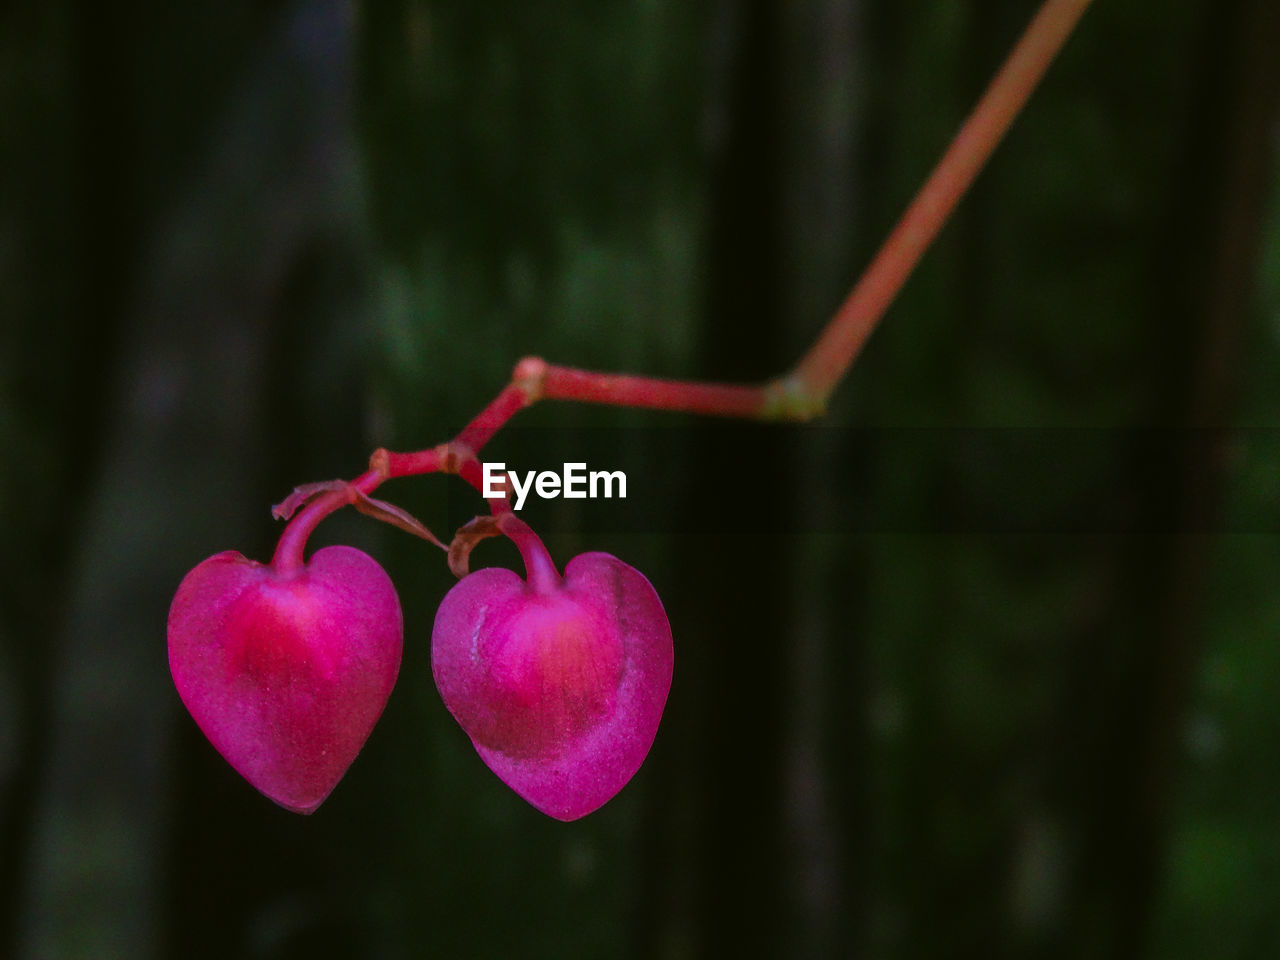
x=287, y=675
x=561, y=692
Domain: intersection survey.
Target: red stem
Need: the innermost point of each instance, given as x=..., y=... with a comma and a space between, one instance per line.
x=540, y=569
x=678, y=396
x=829, y=358
x=801, y=394
x=491, y=419
x=390, y=465
x=288, y=558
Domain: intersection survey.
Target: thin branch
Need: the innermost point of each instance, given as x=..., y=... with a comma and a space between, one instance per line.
x=827, y=361
x=800, y=395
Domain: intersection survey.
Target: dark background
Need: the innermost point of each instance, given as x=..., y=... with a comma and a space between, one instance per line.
x=984, y=663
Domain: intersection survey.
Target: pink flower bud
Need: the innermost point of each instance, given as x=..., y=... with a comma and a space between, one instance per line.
x=560, y=684
x=286, y=674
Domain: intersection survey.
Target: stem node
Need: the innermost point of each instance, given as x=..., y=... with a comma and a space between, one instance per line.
x=529, y=377
x=790, y=398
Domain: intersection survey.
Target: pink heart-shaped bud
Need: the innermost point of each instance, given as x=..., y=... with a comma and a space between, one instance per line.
x=286, y=673
x=560, y=689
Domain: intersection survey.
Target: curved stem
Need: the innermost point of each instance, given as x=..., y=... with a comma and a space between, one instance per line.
x=801, y=394
x=289, y=557
x=472, y=472
x=540, y=569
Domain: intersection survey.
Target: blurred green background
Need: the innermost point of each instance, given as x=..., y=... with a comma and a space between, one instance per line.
x=984, y=663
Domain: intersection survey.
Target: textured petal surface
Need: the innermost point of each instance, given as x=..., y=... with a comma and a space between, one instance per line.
x=561, y=693
x=286, y=676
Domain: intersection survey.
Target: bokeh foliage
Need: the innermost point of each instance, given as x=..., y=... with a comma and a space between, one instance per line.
x=983, y=662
